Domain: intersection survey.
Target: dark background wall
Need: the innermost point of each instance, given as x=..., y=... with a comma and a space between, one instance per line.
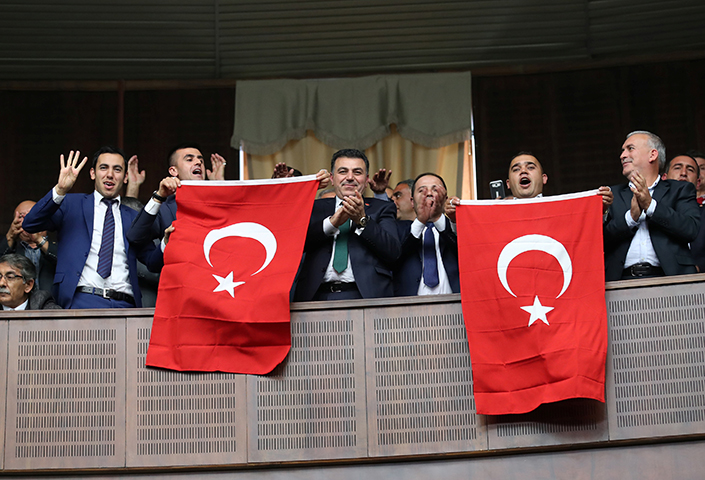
x=573, y=121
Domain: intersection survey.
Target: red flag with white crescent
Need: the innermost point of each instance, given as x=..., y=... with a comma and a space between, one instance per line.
x=532, y=285
x=223, y=300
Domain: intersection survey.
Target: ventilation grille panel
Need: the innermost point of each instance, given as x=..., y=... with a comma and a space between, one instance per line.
x=656, y=361
x=312, y=406
x=181, y=418
x=419, y=390
x=67, y=395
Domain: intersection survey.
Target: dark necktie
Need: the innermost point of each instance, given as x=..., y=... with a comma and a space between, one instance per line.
x=105, y=254
x=430, y=265
x=340, y=256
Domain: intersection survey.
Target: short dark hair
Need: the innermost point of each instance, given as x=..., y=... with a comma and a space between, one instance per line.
x=108, y=149
x=178, y=147
x=413, y=185
x=692, y=157
x=409, y=182
x=526, y=152
x=695, y=153
x=349, y=153
x=21, y=263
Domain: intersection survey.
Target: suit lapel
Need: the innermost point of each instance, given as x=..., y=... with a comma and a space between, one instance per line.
x=661, y=189
x=88, y=213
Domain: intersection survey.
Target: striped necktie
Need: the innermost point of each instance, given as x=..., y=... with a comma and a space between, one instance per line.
x=105, y=254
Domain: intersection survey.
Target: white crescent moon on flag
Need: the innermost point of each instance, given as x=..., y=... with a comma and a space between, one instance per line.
x=540, y=243
x=251, y=230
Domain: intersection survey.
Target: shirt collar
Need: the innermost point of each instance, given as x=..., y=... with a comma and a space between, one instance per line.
x=97, y=197
x=22, y=306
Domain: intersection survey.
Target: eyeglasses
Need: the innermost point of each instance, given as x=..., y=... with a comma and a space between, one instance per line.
x=9, y=276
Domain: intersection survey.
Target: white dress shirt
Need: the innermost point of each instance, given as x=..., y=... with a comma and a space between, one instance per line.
x=346, y=276
x=119, y=279
x=641, y=250
x=417, y=230
x=22, y=306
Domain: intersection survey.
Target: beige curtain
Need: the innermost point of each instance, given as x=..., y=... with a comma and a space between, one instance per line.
x=405, y=158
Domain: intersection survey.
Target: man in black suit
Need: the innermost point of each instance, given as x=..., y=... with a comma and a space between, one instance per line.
x=429, y=260
x=651, y=221
x=351, y=241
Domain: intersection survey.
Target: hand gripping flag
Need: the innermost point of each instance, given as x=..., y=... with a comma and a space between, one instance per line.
x=223, y=300
x=533, y=294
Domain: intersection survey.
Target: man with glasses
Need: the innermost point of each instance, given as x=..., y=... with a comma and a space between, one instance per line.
x=17, y=292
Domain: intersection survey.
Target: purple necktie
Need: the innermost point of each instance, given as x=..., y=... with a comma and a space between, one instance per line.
x=105, y=254
x=430, y=265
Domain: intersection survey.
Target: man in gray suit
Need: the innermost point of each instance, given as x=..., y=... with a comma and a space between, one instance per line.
x=17, y=288
x=651, y=221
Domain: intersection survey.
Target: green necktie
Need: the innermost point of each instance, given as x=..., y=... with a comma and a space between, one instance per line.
x=340, y=257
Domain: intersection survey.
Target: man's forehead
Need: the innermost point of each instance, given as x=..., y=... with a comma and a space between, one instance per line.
x=189, y=152
x=683, y=160
x=24, y=207
x=355, y=162
x=524, y=160
x=400, y=188
x=6, y=267
x=428, y=181
x=110, y=159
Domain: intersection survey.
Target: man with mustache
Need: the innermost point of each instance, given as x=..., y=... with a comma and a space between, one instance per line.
x=95, y=268
x=17, y=285
x=35, y=246
x=351, y=241
x=651, y=221
x=429, y=260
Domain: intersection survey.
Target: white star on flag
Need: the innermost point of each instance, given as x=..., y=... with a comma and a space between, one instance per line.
x=226, y=284
x=537, y=311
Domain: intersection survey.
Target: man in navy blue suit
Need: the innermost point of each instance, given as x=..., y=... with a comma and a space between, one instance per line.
x=429, y=259
x=352, y=241
x=96, y=267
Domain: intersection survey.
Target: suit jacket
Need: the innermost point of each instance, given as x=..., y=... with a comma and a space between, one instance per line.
x=698, y=245
x=409, y=267
x=675, y=222
x=371, y=254
x=73, y=221
x=148, y=227
x=41, y=300
x=47, y=261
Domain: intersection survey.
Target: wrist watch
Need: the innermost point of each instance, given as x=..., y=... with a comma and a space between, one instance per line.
x=363, y=221
x=44, y=240
x=157, y=197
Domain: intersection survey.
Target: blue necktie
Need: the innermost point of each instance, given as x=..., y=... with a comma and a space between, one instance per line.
x=105, y=254
x=430, y=265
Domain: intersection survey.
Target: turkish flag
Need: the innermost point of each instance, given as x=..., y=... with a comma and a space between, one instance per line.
x=223, y=300
x=532, y=285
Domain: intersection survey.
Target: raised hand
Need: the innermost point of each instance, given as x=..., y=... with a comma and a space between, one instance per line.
x=282, y=171
x=69, y=172
x=380, y=181
x=218, y=163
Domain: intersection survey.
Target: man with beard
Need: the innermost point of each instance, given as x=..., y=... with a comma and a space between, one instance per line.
x=428, y=264
x=94, y=268
x=34, y=246
x=17, y=285
x=351, y=241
